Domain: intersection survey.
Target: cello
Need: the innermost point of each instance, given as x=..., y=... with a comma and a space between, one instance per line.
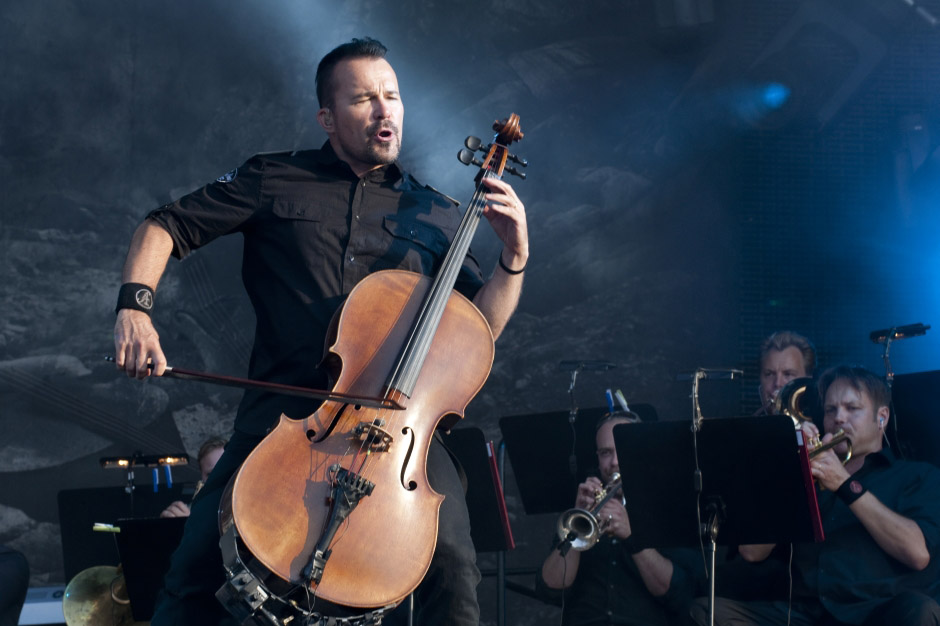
x=333, y=514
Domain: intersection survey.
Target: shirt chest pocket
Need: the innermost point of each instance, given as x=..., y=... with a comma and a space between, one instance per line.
x=301, y=210
x=308, y=228
x=421, y=246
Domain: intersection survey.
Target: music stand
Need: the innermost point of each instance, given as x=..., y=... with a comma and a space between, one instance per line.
x=916, y=431
x=145, y=546
x=750, y=486
x=81, y=509
x=550, y=456
x=489, y=519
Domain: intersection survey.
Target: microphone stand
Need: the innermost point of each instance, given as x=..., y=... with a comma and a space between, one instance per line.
x=889, y=373
x=715, y=508
x=886, y=336
x=572, y=417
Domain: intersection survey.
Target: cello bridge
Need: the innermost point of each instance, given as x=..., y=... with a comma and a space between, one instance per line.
x=372, y=436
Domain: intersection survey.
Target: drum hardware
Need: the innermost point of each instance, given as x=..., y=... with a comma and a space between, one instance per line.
x=579, y=528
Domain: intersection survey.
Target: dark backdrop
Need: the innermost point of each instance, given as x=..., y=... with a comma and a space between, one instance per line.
x=702, y=174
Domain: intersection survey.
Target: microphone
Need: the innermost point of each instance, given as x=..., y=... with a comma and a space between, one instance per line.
x=898, y=332
x=599, y=366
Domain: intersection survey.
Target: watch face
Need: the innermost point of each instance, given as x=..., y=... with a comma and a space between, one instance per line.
x=856, y=487
x=144, y=298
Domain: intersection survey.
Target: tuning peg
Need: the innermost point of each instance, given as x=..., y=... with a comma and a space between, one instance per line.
x=466, y=157
x=516, y=172
x=473, y=143
x=515, y=159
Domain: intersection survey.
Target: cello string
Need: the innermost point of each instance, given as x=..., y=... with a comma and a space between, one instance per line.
x=405, y=372
x=416, y=347
x=435, y=302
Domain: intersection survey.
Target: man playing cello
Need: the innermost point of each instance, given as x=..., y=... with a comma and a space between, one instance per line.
x=315, y=223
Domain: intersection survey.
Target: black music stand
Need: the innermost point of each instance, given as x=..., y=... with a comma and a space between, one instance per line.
x=145, y=546
x=751, y=484
x=81, y=509
x=550, y=456
x=916, y=429
x=489, y=520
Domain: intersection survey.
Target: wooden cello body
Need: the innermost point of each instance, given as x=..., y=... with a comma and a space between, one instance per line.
x=281, y=495
x=337, y=506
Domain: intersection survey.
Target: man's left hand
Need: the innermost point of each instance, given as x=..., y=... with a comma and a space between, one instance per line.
x=506, y=215
x=614, y=520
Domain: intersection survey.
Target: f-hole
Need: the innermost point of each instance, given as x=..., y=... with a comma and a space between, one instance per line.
x=410, y=485
x=332, y=425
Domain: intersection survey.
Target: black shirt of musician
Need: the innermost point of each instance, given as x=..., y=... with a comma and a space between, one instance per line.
x=312, y=230
x=849, y=574
x=609, y=590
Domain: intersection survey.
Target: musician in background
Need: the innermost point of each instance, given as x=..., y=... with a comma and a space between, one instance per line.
x=612, y=582
x=315, y=223
x=880, y=561
x=209, y=453
x=784, y=355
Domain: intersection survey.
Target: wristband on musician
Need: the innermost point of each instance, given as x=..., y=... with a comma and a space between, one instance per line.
x=136, y=296
x=850, y=491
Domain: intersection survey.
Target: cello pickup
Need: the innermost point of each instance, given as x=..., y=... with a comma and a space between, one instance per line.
x=373, y=436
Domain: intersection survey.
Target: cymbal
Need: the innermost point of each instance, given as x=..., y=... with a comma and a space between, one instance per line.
x=97, y=596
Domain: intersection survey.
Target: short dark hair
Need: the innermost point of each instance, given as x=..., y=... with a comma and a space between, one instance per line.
x=781, y=340
x=860, y=379
x=208, y=446
x=355, y=49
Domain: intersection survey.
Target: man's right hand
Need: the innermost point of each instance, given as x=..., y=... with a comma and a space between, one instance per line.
x=586, y=492
x=136, y=343
x=176, y=509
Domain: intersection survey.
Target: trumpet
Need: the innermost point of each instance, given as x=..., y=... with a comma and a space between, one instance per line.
x=579, y=528
x=790, y=399
x=837, y=437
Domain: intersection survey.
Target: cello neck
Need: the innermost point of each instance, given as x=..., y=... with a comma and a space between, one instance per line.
x=405, y=375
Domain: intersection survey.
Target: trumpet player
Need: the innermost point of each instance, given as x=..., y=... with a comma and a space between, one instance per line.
x=610, y=582
x=880, y=561
x=784, y=356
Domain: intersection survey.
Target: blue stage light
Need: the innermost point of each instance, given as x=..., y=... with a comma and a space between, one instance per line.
x=775, y=95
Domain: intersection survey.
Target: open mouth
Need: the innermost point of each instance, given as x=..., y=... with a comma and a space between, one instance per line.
x=383, y=131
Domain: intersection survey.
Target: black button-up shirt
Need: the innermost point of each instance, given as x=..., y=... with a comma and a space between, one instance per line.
x=848, y=573
x=312, y=230
x=609, y=589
